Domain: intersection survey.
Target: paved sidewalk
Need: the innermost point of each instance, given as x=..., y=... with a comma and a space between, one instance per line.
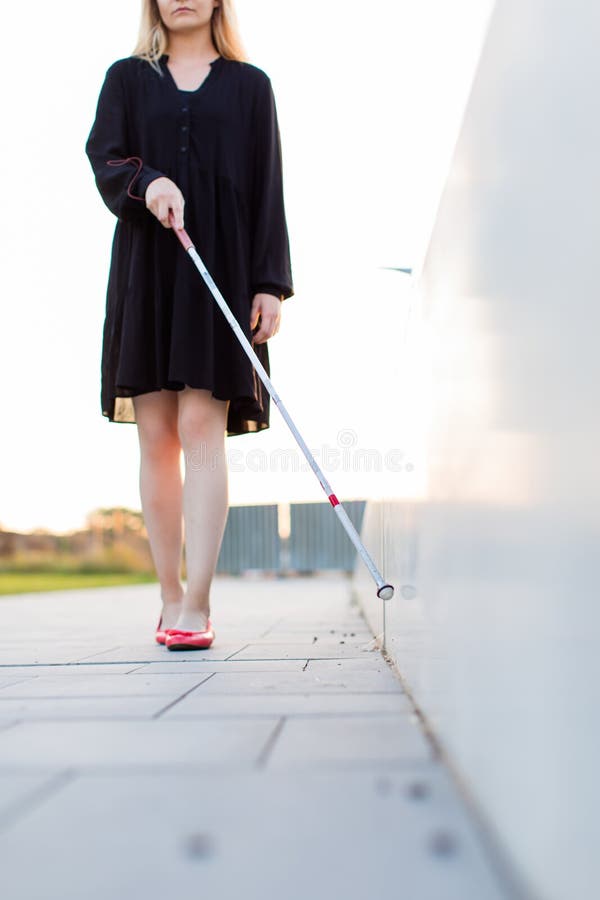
x=286, y=760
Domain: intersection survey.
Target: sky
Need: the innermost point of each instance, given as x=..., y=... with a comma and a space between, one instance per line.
x=369, y=110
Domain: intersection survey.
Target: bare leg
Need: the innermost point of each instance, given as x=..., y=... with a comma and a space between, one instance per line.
x=202, y=424
x=161, y=492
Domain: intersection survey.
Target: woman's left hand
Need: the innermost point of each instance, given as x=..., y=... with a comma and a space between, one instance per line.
x=269, y=309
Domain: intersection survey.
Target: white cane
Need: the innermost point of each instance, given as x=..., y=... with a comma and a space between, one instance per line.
x=385, y=591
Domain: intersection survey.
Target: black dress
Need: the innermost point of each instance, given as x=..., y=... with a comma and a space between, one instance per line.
x=221, y=145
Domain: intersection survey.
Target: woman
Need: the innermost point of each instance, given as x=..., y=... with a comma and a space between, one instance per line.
x=187, y=126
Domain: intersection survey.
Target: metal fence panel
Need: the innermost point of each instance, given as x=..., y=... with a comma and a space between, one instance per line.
x=251, y=540
x=318, y=539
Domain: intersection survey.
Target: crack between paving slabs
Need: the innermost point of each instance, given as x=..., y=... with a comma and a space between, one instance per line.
x=241, y=650
x=269, y=744
x=35, y=797
x=63, y=665
x=271, y=627
x=91, y=655
x=185, y=694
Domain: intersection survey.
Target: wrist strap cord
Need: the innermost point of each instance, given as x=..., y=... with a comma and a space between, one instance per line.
x=122, y=162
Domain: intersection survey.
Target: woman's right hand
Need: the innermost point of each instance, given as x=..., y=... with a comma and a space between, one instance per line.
x=162, y=194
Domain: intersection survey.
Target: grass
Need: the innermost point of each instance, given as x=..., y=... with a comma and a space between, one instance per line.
x=25, y=582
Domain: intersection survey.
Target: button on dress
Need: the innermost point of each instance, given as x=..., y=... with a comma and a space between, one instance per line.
x=221, y=145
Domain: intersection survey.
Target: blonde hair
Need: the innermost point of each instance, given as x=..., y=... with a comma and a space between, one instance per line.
x=153, y=38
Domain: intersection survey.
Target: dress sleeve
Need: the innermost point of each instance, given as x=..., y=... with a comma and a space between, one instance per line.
x=271, y=266
x=108, y=142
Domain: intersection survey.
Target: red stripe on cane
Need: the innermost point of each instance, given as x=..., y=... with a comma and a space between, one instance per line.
x=333, y=500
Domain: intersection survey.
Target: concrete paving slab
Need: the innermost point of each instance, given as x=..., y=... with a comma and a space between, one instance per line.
x=372, y=662
x=245, y=704
x=106, y=685
x=255, y=835
x=311, y=743
x=153, y=652
x=331, y=629
x=48, y=638
x=51, y=656
x=135, y=744
x=34, y=671
x=313, y=636
x=321, y=650
x=306, y=626
x=111, y=707
x=300, y=682
x=200, y=664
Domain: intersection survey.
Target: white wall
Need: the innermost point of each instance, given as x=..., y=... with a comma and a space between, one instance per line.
x=496, y=618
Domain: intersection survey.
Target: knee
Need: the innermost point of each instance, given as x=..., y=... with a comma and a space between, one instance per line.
x=195, y=426
x=201, y=422
x=159, y=438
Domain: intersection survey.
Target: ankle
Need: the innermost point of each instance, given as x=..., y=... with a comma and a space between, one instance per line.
x=195, y=604
x=194, y=620
x=188, y=609
x=171, y=597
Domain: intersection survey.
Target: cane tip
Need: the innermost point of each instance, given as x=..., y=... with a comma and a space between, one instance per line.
x=385, y=592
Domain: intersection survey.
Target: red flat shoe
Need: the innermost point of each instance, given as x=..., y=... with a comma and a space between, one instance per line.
x=161, y=634
x=176, y=639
